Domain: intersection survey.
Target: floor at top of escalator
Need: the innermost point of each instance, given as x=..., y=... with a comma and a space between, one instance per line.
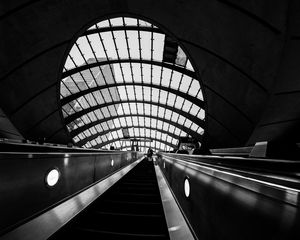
x=131, y=209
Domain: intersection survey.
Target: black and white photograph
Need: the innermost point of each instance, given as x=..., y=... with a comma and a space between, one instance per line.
x=150, y=119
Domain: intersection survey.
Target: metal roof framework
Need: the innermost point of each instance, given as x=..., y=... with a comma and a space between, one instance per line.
x=143, y=130
x=118, y=76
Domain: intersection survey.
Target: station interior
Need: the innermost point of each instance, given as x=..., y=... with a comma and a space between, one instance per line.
x=126, y=119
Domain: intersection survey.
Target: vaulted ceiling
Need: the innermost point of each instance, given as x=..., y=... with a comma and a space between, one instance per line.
x=126, y=80
x=243, y=54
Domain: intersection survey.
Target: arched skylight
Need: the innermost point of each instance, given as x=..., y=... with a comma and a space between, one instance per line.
x=125, y=79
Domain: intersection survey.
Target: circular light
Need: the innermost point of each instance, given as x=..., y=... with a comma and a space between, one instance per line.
x=112, y=163
x=52, y=177
x=187, y=187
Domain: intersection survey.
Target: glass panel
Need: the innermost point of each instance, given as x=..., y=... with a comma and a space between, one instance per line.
x=122, y=92
x=131, y=132
x=130, y=122
x=176, y=78
x=147, y=93
x=147, y=73
x=156, y=73
x=200, y=95
x=89, y=50
x=85, y=49
x=194, y=88
x=136, y=132
x=175, y=117
x=116, y=68
x=158, y=46
x=168, y=114
x=187, y=123
x=104, y=23
x=158, y=135
x=109, y=45
x=130, y=92
x=76, y=56
x=159, y=124
x=200, y=131
x=98, y=114
x=130, y=21
x=161, y=111
x=171, y=99
x=135, y=121
x=189, y=66
x=116, y=21
x=140, y=108
x=154, y=109
x=142, y=121
x=147, y=109
x=179, y=102
x=166, y=77
x=133, y=108
x=181, y=120
x=194, y=127
x=185, y=83
x=146, y=45
x=118, y=144
x=201, y=114
x=133, y=44
x=117, y=123
x=163, y=97
x=147, y=122
x=194, y=110
x=136, y=68
x=154, y=122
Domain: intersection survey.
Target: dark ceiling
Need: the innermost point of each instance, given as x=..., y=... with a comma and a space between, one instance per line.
x=246, y=53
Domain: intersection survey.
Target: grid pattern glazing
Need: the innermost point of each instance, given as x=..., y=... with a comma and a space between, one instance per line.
x=117, y=76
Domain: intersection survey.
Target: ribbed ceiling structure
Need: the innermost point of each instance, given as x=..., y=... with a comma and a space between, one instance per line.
x=123, y=79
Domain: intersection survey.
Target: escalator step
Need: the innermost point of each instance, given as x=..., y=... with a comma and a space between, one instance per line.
x=95, y=234
x=121, y=223
x=127, y=207
x=131, y=209
x=139, y=183
x=129, y=215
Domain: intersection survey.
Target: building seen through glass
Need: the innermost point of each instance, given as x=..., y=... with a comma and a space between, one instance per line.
x=126, y=73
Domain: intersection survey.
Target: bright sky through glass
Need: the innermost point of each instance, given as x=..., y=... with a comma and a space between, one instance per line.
x=117, y=77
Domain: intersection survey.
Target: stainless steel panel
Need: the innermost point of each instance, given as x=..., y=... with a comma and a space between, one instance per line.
x=23, y=192
x=177, y=226
x=49, y=222
x=224, y=205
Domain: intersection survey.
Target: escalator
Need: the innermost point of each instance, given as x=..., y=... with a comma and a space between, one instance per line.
x=131, y=209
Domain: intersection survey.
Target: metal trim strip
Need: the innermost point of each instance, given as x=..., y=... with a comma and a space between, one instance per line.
x=177, y=226
x=43, y=226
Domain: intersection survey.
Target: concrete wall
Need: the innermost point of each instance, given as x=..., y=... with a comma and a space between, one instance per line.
x=7, y=129
x=281, y=118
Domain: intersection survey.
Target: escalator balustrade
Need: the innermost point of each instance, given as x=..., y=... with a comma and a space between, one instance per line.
x=131, y=209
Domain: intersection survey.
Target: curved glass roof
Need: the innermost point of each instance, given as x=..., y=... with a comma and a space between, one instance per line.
x=125, y=79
